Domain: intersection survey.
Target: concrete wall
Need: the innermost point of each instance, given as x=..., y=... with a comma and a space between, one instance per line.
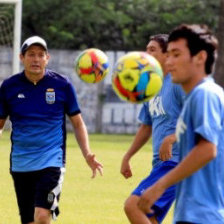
x=101, y=109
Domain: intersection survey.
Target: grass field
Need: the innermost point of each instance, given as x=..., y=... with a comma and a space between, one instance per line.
x=85, y=200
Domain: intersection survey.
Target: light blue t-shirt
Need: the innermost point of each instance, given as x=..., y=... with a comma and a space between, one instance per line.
x=161, y=113
x=200, y=198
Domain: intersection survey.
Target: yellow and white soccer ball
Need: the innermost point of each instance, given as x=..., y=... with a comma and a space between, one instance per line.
x=92, y=65
x=137, y=77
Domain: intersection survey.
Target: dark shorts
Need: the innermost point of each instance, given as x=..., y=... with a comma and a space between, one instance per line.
x=163, y=204
x=38, y=189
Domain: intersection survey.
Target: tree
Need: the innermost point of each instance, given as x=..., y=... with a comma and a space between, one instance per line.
x=111, y=24
x=219, y=76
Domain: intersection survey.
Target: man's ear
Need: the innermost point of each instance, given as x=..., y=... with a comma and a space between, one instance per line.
x=48, y=58
x=201, y=57
x=21, y=56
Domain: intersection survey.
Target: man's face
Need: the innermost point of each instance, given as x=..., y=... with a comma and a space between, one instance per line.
x=153, y=48
x=35, y=60
x=179, y=61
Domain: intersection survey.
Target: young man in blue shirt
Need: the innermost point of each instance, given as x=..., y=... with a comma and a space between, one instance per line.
x=158, y=117
x=199, y=132
x=37, y=101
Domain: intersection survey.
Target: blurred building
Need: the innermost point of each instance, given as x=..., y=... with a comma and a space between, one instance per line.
x=102, y=110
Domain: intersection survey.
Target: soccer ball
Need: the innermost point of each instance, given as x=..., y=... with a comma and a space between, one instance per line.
x=137, y=77
x=92, y=65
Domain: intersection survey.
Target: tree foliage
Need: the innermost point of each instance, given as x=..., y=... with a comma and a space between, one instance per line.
x=111, y=24
x=219, y=75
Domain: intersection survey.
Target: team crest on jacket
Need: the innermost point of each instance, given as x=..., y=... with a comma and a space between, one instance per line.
x=50, y=96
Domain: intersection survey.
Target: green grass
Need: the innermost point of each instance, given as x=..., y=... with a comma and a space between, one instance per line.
x=85, y=200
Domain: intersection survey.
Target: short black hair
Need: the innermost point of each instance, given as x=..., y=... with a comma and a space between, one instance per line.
x=198, y=38
x=162, y=40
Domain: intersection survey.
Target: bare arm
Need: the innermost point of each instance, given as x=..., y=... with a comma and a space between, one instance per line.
x=2, y=123
x=200, y=155
x=81, y=135
x=141, y=137
x=165, y=151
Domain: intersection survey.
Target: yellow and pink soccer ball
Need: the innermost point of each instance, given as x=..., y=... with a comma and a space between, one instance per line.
x=137, y=77
x=92, y=65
